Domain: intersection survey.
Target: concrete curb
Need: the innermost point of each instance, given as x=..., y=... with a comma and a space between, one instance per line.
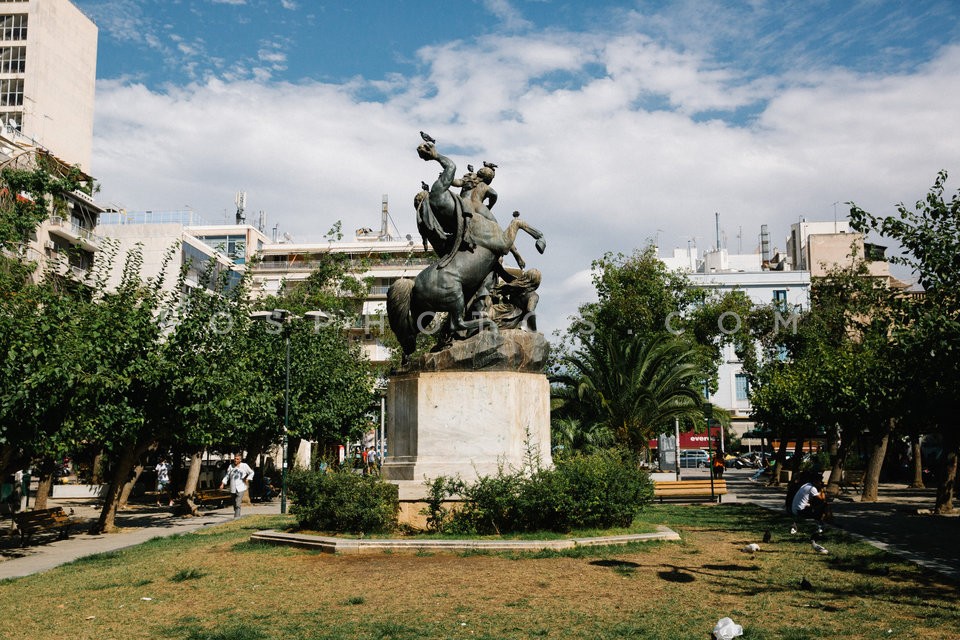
x=354, y=546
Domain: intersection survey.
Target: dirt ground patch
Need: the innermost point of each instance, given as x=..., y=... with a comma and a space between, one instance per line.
x=217, y=584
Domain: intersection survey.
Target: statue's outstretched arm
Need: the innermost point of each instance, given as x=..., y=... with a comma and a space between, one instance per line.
x=491, y=197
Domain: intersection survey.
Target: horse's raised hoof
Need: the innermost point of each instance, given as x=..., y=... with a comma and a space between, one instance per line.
x=541, y=245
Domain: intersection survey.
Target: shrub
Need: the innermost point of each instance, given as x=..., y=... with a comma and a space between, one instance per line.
x=600, y=490
x=438, y=491
x=490, y=505
x=343, y=501
x=605, y=489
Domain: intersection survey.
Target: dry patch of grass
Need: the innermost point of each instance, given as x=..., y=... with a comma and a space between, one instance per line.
x=217, y=585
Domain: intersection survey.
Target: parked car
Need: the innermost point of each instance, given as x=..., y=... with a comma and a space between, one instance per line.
x=694, y=458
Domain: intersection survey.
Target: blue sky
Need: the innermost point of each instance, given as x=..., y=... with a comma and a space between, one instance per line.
x=612, y=122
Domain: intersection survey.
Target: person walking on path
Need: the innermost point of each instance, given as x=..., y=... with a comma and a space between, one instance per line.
x=163, y=482
x=238, y=478
x=718, y=464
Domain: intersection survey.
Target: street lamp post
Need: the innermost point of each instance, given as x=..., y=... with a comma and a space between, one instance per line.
x=283, y=318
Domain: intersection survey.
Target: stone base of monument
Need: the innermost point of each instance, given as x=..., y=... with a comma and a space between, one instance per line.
x=463, y=423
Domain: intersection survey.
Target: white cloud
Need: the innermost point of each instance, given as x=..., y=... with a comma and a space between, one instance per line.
x=598, y=162
x=289, y=5
x=510, y=18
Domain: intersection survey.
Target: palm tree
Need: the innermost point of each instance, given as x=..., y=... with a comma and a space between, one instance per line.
x=571, y=435
x=635, y=387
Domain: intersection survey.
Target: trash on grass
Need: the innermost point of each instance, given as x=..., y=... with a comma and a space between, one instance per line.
x=727, y=629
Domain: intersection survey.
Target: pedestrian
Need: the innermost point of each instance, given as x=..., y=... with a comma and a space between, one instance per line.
x=237, y=478
x=718, y=465
x=163, y=482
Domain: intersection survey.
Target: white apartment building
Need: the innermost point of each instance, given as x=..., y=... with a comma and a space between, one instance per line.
x=157, y=232
x=48, y=64
x=380, y=257
x=770, y=277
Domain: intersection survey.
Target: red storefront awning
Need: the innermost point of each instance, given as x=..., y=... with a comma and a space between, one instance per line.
x=691, y=440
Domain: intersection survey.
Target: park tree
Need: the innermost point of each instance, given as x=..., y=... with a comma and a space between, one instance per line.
x=210, y=375
x=929, y=236
x=120, y=402
x=635, y=386
x=640, y=301
x=830, y=372
x=331, y=382
x=36, y=315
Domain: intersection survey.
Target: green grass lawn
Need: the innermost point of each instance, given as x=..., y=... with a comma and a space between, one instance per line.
x=217, y=585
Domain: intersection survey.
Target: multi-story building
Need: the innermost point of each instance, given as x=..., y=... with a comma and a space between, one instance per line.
x=48, y=64
x=183, y=232
x=768, y=277
x=66, y=242
x=379, y=257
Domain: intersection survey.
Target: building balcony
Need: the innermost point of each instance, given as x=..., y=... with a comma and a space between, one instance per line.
x=74, y=233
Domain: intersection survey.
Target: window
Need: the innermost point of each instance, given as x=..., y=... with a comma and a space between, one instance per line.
x=780, y=297
x=13, y=59
x=13, y=27
x=743, y=386
x=12, y=119
x=11, y=92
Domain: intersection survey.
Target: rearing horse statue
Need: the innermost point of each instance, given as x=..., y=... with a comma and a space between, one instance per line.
x=470, y=244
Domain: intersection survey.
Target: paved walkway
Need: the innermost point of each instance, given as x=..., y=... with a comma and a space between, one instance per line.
x=900, y=522
x=139, y=523
x=894, y=524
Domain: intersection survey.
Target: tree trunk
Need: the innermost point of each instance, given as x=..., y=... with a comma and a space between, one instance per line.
x=187, y=505
x=128, y=485
x=797, y=459
x=44, y=482
x=836, y=469
x=96, y=471
x=948, y=485
x=917, y=463
x=193, y=474
x=6, y=460
x=121, y=472
x=778, y=462
x=878, y=451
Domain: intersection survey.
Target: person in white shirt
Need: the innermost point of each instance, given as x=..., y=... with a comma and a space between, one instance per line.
x=810, y=501
x=237, y=479
x=163, y=481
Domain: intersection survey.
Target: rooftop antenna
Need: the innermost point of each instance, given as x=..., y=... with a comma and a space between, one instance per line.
x=276, y=228
x=717, y=216
x=384, y=216
x=241, y=201
x=262, y=221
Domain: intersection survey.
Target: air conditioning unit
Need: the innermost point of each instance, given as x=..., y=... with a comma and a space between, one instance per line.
x=49, y=245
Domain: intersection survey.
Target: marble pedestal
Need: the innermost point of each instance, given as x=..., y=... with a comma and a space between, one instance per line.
x=465, y=423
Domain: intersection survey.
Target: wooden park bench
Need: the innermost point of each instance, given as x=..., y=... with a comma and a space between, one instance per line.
x=677, y=489
x=42, y=521
x=851, y=478
x=212, y=497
